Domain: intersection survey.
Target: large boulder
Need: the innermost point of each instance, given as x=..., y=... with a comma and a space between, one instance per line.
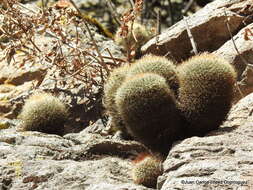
x=85, y=160
x=210, y=33
x=220, y=160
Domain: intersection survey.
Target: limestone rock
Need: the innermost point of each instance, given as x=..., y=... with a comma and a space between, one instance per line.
x=210, y=32
x=208, y=27
x=222, y=159
x=244, y=45
x=84, y=160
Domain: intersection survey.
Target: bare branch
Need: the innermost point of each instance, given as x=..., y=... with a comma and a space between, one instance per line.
x=114, y=12
x=194, y=47
x=90, y=34
x=233, y=41
x=187, y=7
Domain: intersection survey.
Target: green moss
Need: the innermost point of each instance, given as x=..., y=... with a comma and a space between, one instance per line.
x=100, y=27
x=4, y=125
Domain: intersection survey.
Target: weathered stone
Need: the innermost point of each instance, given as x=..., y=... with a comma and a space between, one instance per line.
x=82, y=98
x=17, y=76
x=8, y=107
x=223, y=159
x=208, y=27
x=245, y=48
x=84, y=160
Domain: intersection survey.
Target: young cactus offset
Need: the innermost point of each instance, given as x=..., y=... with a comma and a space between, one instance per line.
x=158, y=65
x=148, y=108
x=206, y=92
x=44, y=113
x=147, y=170
x=135, y=38
x=112, y=84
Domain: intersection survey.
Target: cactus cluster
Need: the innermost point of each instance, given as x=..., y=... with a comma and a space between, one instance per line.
x=44, y=113
x=160, y=103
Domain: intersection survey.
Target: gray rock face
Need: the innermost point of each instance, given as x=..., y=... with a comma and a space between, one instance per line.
x=20, y=76
x=221, y=160
x=91, y=160
x=244, y=46
x=210, y=32
x=208, y=27
x=86, y=160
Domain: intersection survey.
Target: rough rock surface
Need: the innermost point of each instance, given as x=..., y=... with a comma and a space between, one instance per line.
x=20, y=77
x=210, y=32
x=85, y=160
x=221, y=160
x=208, y=27
x=244, y=45
x=92, y=160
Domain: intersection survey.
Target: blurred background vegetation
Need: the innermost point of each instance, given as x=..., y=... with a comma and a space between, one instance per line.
x=170, y=11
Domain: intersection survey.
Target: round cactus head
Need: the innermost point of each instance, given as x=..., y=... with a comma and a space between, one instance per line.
x=206, y=91
x=112, y=84
x=146, y=171
x=44, y=113
x=148, y=108
x=159, y=65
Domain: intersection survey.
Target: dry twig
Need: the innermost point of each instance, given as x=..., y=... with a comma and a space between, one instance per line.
x=194, y=47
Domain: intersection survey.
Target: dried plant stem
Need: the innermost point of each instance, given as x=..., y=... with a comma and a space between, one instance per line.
x=158, y=26
x=194, y=47
x=187, y=7
x=233, y=41
x=131, y=3
x=111, y=56
x=91, y=37
x=132, y=32
x=114, y=12
x=171, y=12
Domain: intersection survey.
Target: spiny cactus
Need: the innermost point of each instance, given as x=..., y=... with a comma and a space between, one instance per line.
x=45, y=113
x=112, y=84
x=142, y=35
x=148, y=108
x=146, y=171
x=206, y=91
x=158, y=65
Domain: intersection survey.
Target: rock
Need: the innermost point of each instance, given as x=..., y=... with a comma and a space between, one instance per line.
x=9, y=108
x=244, y=46
x=223, y=159
x=210, y=33
x=17, y=76
x=30, y=74
x=84, y=160
x=208, y=27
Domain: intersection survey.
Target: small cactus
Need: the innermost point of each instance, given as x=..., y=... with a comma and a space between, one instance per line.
x=206, y=91
x=112, y=84
x=148, y=108
x=146, y=171
x=44, y=113
x=142, y=35
x=158, y=65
